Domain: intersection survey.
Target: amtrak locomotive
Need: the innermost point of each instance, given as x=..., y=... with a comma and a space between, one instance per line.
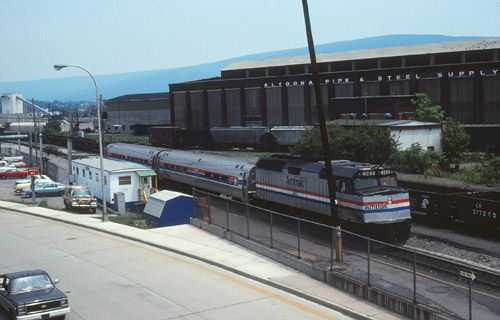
x=367, y=196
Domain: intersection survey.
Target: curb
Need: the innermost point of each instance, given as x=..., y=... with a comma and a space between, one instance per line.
x=303, y=295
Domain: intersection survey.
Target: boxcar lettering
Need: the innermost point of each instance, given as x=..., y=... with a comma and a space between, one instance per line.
x=484, y=213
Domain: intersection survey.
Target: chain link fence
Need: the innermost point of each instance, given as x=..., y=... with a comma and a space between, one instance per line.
x=440, y=284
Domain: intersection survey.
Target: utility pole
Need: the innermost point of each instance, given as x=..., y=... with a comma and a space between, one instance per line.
x=35, y=131
x=41, y=153
x=30, y=143
x=321, y=117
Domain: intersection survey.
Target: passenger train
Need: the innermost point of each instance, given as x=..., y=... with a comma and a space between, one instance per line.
x=367, y=197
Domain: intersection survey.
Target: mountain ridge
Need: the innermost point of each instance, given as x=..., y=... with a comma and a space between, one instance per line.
x=113, y=85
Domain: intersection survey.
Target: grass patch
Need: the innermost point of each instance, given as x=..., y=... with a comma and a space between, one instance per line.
x=112, y=137
x=43, y=203
x=136, y=222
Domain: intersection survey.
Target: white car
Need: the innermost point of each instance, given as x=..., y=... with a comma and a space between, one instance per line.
x=28, y=180
x=7, y=168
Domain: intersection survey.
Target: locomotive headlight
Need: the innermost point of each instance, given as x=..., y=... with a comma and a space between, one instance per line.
x=389, y=200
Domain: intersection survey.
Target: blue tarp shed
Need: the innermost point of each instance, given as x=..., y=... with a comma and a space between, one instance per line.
x=168, y=208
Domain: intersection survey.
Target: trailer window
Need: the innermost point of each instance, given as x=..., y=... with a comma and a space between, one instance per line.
x=124, y=180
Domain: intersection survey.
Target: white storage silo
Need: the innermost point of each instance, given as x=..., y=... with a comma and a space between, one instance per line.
x=11, y=104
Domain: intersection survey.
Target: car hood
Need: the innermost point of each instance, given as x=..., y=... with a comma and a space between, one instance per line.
x=39, y=295
x=83, y=198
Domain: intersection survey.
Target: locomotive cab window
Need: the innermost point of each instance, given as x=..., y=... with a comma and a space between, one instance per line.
x=365, y=183
x=294, y=170
x=388, y=181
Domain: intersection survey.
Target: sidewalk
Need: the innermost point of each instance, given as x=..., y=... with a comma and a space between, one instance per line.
x=195, y=243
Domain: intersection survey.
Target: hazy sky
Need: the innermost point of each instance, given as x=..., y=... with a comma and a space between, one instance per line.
x=115, y=36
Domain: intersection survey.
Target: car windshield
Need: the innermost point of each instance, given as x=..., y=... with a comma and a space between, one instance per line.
x=31, y=283
x=82, y=193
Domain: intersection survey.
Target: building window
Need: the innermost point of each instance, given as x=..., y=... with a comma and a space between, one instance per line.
x=77, y=171
x=105, y=180
x=90, y=175
x=96, y=177
x=124, y=180
x=83, y=173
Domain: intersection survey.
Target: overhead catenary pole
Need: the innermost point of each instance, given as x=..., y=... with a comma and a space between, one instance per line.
x=321, y=117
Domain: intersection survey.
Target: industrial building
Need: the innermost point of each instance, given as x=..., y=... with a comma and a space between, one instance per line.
x=135, y=113
x=463, y=77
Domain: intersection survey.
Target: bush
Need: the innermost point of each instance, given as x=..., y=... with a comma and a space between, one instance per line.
x=490, y=171
x=455, y=139
x=48, y=150
x=416, y=160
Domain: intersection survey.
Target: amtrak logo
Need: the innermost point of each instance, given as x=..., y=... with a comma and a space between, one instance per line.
x=424, y=204
x=295, y=182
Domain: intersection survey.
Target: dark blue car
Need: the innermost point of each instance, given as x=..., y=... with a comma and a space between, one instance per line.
x=32, y=294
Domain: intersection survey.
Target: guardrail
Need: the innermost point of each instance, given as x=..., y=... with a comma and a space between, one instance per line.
x=449, y=288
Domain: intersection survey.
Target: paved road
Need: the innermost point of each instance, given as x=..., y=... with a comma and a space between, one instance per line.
x=111, y=278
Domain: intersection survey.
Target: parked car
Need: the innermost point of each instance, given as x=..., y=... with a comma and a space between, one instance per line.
x=45, y=188
x=7, y=167
x=37, y=176
x=13, y=173
x=19, y=188
x=19, y=164
x=77, y=196
x=32, y=295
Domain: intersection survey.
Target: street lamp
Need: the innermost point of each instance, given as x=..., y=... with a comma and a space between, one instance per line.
x=58, y=67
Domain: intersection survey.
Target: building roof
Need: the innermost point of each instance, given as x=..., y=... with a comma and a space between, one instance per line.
x=110, y=165
x=141, y=97
x=430, y=48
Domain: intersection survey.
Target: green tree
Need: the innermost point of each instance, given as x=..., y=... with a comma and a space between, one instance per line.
x=53, y=125
x=455, y=140
x=366, y=143
x=425, y=110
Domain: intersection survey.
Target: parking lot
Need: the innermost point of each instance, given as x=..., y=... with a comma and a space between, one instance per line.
x=55, y=202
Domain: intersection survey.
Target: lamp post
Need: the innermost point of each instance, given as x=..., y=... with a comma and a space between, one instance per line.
x=58, y=67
